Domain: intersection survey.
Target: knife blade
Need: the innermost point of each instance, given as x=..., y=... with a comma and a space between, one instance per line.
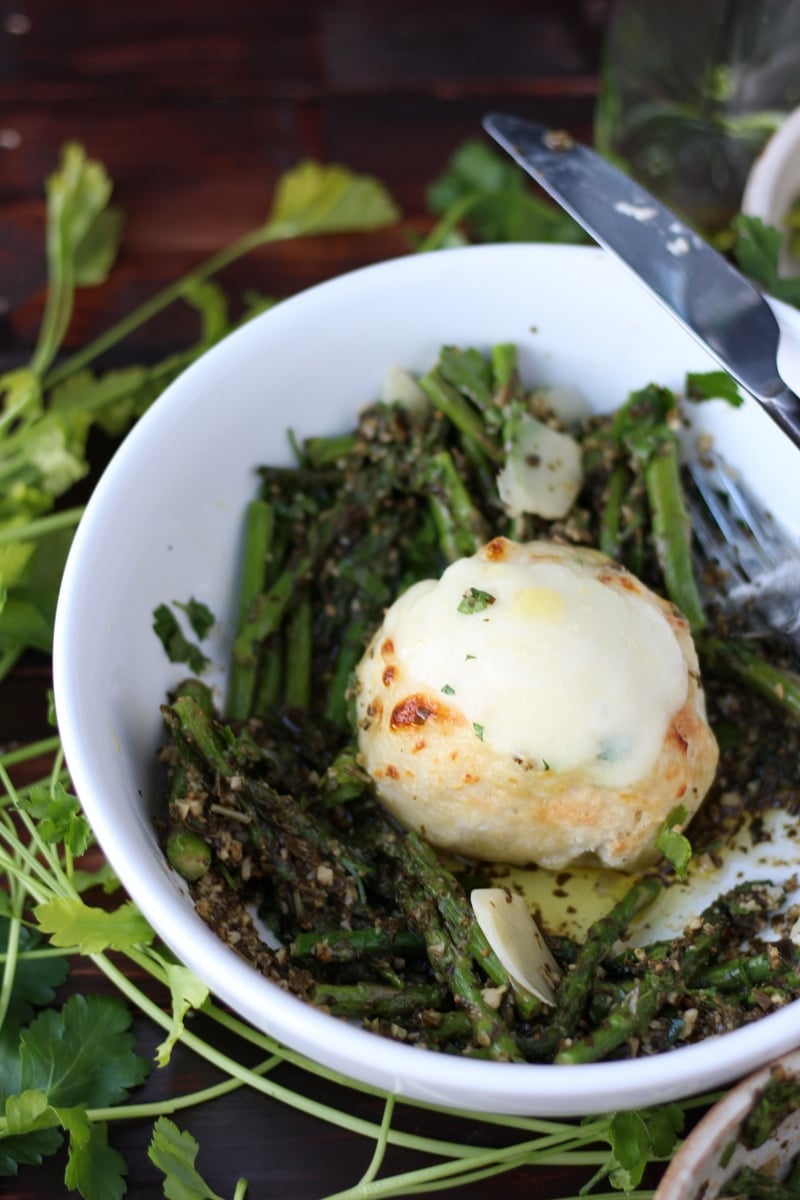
x=702, y=290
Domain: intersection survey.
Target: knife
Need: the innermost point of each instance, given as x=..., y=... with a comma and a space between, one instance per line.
x=707, y=295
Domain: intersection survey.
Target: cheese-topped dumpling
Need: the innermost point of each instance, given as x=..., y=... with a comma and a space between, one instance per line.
x=536, y=704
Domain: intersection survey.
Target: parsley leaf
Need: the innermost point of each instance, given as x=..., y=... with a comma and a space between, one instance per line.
x=173, y=1151
x=200, y=616
x=478, y=730
x=757, y=250
x=27, y=1149
x=672, y=843
x=35, y=979
x=177, y=646
x=493, y=197
x=713, y=385
x=187, y=992
x=638, y=1136
x=82, y=1055
x=474, y=600
x=59, y=816
x=82, y=239
x=94, y=1168
x=70, y=922
x=312, y=198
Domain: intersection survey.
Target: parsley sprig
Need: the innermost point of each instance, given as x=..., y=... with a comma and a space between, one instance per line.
x=49, y=406
x=69, y=1072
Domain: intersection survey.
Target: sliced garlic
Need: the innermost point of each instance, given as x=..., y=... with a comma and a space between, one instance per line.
x=517, y=941
x=794, y=933
x=400, y=387
x=543, y=471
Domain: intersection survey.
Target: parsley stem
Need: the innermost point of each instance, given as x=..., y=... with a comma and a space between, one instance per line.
x=11, y=956
x=21, y=857
x=32, y=750
x=8, y=658
x=268, y=1087
x=381, y=1143
x=173, y=1104
x=529, y=1124
x=440, y=232
x=157, y=303
x=41, y=526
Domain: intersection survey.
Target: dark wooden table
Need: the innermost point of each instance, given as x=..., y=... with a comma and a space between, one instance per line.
x=196, y=108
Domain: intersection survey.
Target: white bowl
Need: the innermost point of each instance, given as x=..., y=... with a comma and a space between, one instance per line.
x=164, y=524
x=707, y=1160
x=773, y=184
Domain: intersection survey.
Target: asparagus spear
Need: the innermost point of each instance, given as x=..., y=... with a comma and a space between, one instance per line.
x=575, y=987
x=739, y=661
x=690, y=956
x=454, y=964
x=463, y=415
x=418, y=863
x=259, y=528
x=348, y=945
x=757, y=1186
x=376, y=999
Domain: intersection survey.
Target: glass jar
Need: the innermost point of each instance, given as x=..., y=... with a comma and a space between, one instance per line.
x=690, y=92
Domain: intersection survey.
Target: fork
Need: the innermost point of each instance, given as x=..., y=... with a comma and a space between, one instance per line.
x=753, y=566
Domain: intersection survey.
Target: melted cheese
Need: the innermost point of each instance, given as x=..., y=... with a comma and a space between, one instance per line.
x=560, y=669
x=536, y=704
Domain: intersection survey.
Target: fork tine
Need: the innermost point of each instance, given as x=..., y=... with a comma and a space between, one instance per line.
x=759, y=565
x=749, y=545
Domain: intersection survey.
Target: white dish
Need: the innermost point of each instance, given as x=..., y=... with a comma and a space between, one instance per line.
x=773, y=184
x=715, y=1151
x=163, y=524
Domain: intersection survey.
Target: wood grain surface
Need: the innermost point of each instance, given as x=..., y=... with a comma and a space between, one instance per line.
x=196, y=109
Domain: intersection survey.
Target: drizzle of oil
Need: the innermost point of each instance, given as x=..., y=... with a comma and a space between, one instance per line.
x=567, y=902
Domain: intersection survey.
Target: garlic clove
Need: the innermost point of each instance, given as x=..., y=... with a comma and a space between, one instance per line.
x=517, y=941
x=543, y=472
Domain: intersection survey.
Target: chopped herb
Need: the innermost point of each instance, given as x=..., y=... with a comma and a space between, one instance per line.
x=177, y=646
x=448, y=691
x=467, y=657
x=672, y=843
x=474, y=601
x=478, y=730
x=713, y=385
x=200, y=616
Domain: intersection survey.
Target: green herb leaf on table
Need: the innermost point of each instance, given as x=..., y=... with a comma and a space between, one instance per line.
x=62, y=1064
x=187, y=992
x=200, y=616
x=83, y=1054
x=94, y=1168
x=59, y=816
x=494, y=200
x=48, y=408
x=35, y=978
x=637, y=1138
x=70, y=922
x=174, y=1152
x=312, y=199
x=83, y=236
x=757, y=250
